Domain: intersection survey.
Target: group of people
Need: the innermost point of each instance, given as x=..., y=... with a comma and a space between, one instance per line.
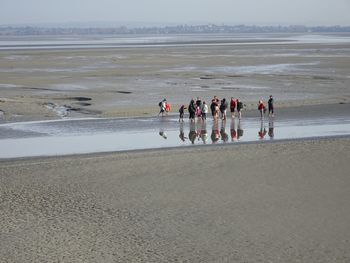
x=218, y=108
x=199, y=109
x=262, y=107
x=164, y=107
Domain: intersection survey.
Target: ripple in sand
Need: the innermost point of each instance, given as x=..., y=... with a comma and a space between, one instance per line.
x=123, y=92
x=68, y=87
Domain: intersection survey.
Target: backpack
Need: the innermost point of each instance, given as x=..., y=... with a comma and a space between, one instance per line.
x=198, y=112
x=160, y=104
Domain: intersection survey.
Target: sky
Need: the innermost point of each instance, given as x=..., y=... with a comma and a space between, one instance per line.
x=257, y=12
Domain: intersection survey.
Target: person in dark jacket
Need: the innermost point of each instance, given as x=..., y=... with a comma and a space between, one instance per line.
x=192, y=110
x=270, y=106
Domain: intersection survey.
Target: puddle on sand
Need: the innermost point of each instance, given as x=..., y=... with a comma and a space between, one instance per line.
x=50, y=138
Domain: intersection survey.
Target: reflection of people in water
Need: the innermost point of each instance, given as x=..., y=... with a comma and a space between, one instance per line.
x=204, y=133
x=224, y=135
x=215, y=132
x=192, y=135
x=199, y=129
x=271, y=132
x=262, y=131
x=233, y=131
x=163, y=134
x=161, y=130
x=182, y=134
x=239, y=130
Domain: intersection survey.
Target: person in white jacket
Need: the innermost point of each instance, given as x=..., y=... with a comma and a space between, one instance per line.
x=204, y=110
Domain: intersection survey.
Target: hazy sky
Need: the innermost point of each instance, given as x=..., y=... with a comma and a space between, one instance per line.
x=308, y=12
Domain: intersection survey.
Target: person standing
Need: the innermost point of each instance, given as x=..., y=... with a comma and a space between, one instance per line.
x=198, y=107
x=239, y=108
x=223, y=108
x=198, y=111
x=262, y=109
x=192, y=110
x=232, y=107
x=182, y=112
x=199, y=102
x=270, y=105
x=213, y=106
x=167, y=107
x=162, y=106
x=204, y=111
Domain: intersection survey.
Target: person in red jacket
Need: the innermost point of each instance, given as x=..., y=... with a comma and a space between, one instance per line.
x=167, y=107
x=232, y=107
x=261, y=108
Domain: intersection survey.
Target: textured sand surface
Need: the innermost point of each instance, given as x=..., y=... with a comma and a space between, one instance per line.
x=270, y=202
x=36, y=84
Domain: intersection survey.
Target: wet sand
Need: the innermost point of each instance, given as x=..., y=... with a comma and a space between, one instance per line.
x=118, y=82
x=265, y=202
x=96, y=135
x=279, y=202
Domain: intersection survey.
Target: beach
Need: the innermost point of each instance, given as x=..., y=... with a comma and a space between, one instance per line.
x=130, y=80
x=273, y=199
x=275, y=202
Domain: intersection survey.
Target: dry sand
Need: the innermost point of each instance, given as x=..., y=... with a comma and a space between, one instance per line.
x=269, y=202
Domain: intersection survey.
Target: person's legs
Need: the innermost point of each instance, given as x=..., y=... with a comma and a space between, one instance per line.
x=192, y=116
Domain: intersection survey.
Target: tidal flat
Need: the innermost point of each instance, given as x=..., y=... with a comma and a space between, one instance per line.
x=129, y=80
x=286, y=201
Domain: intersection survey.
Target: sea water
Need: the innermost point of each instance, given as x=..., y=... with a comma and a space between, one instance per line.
x=66, y=137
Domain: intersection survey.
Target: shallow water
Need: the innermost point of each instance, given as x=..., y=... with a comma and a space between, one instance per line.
x=64, y=137
x=77, y=42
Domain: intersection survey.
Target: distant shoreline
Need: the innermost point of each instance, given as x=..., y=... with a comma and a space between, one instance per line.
x=144, y=40
x=127, y=45
x=176, y=29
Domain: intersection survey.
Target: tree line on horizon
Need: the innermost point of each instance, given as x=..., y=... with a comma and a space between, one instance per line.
x=179, y=29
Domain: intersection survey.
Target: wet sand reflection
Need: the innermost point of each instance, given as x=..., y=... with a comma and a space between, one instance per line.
x=198, y=132
x=271, y=128
x=104, y=135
